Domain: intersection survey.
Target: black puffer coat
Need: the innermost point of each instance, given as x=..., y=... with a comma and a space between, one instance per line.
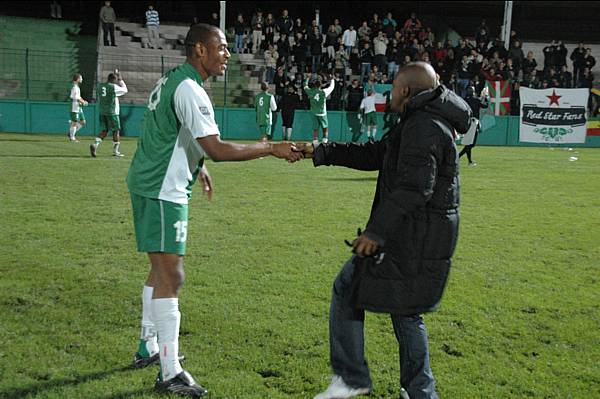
x=415, y=211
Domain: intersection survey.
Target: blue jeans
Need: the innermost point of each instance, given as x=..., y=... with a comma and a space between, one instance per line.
x=347, y=343
x=365, y=70
x=462, y=87
x=392, y=69
x=239, y=43
x=270, y=75
x=316, y=63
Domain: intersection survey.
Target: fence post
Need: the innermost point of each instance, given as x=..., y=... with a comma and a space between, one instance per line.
x=27, y=73
x=162, y=64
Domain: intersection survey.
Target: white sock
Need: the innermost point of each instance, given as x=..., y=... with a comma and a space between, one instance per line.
x=166, y=316
x=72, y=132
x=315, y=142
x=116, y=145
x=96, y=144
x=325, y=140
x=77, y=127
x=148, y=332
x=289, y=133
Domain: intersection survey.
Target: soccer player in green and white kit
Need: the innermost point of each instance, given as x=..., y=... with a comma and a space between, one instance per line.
x=77, y=116
x=318, y=110
x=178, y=131
x=108, y=101
x=264, y=104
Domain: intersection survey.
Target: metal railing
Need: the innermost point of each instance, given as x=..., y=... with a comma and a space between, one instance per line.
x=27, y=74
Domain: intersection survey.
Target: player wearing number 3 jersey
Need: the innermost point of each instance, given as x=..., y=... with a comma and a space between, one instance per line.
x=178, y=131
x=318, y=109
x=108, y=104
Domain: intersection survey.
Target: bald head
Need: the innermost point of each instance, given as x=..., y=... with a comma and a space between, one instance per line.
x=411, y=80
x=418, y=76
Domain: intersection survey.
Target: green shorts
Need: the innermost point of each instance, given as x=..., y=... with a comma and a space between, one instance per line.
x=160, y=226
x=371, y=119
x=319, y=121
x=110, y=123
x=77, y=116
x=265, y=130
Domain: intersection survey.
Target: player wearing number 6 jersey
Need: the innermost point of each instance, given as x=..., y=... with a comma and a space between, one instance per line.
x=264, y=104
x=318, y=110
x=178, y=131
x=108, y=101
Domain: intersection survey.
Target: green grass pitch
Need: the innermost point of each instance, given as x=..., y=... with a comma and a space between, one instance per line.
x=519, y=318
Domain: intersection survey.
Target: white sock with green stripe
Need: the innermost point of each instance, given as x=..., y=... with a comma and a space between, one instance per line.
x=166, y=316
x=148, y=341
x=72, y=132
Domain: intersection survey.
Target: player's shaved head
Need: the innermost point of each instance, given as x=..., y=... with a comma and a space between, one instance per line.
x=411, y=80
x=418, y=76
x=199, y=33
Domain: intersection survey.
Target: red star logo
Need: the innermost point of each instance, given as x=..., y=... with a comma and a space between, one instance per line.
x=554, y=98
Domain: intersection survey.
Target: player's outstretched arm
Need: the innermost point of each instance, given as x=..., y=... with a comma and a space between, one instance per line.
x=220, y=151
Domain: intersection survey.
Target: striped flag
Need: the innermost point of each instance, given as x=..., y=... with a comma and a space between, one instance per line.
x=593, y=127
x=499, y=96
x=382, y=92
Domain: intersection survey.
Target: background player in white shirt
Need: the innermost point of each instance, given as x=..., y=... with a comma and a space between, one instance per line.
x=77, y=116
x=367, y=107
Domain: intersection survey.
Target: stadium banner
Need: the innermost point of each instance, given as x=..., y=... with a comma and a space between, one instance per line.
x=382, y=93
x=553, y=115
x=499, y=97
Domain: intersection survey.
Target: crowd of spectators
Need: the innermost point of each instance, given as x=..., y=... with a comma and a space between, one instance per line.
x=379, y=47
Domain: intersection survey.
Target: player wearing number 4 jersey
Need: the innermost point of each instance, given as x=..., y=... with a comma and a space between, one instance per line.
x=178, y=131
x=318, y=110
x=108, y=101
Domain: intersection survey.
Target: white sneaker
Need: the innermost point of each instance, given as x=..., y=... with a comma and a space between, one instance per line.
x=339, y=390
x=118, y=154
x=472, y=164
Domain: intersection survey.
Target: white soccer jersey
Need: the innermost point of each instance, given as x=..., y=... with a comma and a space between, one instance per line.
x=368, y=104
x=75, y=96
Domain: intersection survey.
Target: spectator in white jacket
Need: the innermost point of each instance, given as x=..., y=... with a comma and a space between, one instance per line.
x=349, y=39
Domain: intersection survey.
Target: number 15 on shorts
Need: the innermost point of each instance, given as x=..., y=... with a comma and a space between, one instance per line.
x=180, y=231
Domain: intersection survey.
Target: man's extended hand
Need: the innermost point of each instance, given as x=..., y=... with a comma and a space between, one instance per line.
x=287, y=151
x=364, y=246
x=206, y=181
x=307, y=149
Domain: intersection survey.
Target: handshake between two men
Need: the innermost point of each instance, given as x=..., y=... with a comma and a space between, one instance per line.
x=292, y=152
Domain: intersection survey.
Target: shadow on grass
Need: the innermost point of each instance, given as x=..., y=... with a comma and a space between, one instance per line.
x=33, y=389
x=372, y=178
x=47, y=156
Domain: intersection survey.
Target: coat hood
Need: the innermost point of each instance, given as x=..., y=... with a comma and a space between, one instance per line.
x=445, y=103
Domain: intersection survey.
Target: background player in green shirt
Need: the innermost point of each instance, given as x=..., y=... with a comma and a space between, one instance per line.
x=108, y=104
x=264, y=104
x=318, y=110
x=178, y=131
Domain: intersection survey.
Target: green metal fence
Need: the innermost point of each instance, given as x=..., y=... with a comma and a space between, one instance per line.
x=42, y=75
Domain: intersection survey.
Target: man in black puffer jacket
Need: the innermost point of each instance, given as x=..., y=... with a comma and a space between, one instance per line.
x=402, y=259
